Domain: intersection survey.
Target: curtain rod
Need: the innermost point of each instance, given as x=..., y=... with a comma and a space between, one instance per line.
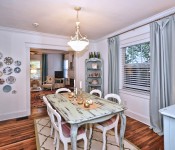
x=142, y=25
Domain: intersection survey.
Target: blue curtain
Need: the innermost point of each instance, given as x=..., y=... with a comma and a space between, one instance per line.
x=162, y=92
x=113, y=65
x=44, y=67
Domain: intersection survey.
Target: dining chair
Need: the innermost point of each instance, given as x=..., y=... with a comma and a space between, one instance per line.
x=49, y=113
x=62, y=90
x=96, y=91
x=111, y=123
x=63, y=131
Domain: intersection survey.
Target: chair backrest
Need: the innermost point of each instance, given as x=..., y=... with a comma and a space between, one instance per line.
x=96, y=91
x=50, y=79
x=62, y=90
x=47, y=104
x=114, y=96
x=56, y=122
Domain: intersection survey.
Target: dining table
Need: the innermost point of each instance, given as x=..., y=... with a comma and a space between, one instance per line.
x=76, y=114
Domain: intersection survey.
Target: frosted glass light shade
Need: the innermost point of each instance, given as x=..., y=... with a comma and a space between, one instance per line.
x=78, y=45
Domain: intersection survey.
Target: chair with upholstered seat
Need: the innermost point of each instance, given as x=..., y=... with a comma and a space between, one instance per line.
x=62, y=90
x=48, y=112
x=49, y=83
x=111, y=123
x=63, y=131
x=96, y=91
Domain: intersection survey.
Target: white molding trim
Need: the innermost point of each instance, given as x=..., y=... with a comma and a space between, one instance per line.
x=48, y=46
x=14, y=115
x=140, y=23
x=33, y=33
x=138, y=117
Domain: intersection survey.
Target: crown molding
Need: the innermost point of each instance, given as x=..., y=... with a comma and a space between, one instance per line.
x=140, y=23
x=33, y=33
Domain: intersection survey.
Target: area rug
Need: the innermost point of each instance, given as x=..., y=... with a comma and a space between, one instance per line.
x=45, y=142
x=37, y=98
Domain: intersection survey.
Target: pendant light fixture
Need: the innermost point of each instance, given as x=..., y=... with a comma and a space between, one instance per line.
x=78, y=42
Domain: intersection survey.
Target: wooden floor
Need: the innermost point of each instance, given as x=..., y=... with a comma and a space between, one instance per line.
x=19, y=134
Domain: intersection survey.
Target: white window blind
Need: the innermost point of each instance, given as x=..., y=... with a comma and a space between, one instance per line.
x=136, y=67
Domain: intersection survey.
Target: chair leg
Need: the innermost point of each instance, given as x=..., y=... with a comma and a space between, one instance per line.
x=104, y=140
x=65, y=146
x=116, y=136
x=57, y=142
x=85, y=143
x=51, y=131
x=55, y=138
x=90, y=130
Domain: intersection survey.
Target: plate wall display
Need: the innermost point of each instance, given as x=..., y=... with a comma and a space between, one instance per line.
x=7, y=88
x=2, y=81
x=8, y=60
x=1, y=55
x=17, y=70
x=10, y=79
x=14, y=92
x=17, y=63
x=1, y=64
x=1, y=73
x=7, y=70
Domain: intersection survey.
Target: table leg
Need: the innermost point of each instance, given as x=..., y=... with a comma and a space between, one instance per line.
x=122, y=130
x=74, y=129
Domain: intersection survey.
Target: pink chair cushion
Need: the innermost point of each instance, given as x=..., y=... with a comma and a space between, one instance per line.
x=66, y=130
x=108, y=122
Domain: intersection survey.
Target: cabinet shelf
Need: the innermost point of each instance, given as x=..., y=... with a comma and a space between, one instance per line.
x=94, y=67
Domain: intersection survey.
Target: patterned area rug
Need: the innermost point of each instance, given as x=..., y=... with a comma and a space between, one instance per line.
x=37, y=98
x=45, y=142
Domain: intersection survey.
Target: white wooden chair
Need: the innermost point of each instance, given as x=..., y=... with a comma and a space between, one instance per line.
x=96, y=91
x=49, y=113
x=49, y=83
x=100, y=94
x=62, y=90
x=109, y=124
x=63, y=131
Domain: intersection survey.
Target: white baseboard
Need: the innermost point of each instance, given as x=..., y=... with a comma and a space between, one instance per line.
x=14, y=115
x=138, y=117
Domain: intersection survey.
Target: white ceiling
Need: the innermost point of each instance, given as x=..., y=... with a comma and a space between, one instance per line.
x=98, y=17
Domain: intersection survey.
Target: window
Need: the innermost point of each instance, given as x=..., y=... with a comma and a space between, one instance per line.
x=66, y=68
x=137, y=67
x=35, y=69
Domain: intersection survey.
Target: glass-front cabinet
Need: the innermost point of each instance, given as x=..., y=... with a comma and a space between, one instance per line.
x=94, y=74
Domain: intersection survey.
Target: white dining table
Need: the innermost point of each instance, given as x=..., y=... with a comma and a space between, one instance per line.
x=77, y=115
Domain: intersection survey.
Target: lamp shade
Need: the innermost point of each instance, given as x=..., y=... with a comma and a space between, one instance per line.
x=78, y=45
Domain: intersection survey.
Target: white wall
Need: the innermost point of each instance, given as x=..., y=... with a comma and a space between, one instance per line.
x=137, y=103
x=16, y=44
x=55, y=63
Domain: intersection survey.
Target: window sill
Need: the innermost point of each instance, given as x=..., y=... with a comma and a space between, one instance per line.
x=135, y=93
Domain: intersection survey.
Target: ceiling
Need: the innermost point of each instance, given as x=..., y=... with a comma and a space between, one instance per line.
x=98, y=17
x=34, y=51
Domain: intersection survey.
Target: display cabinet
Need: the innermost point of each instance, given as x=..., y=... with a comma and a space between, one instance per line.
x=94, y=74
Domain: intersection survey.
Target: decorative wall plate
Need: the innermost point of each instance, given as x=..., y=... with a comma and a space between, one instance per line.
x=10, y=79
x=17, y=63
x=8, y=60
x=1, y=55
x=17, y=70
x=2, y=81
x=7, y=88
x=1, y=73
x=7, y=70
x=14, y=92
x=1, y=64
